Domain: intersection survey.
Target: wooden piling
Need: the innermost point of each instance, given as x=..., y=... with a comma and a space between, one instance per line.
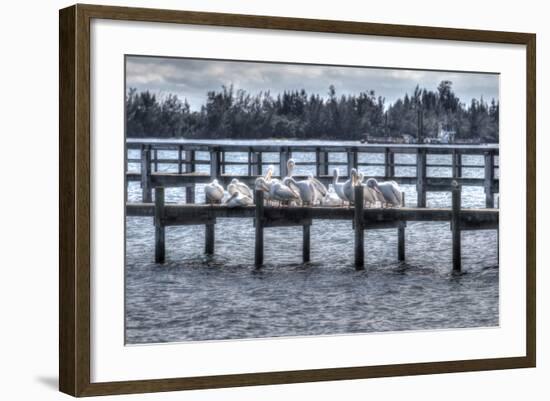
x=190, y=168
x=210, y=228
x=457, y=164
x=146, y=191
x=155, y=160
x=420, y=126
x=352, y=160
x=256, y=163
x=209, y=238
x=259, y=221
x=359, y=229
x=421, y=178
x=159, y=225
x=215, y=170
x=283, y=159
x=401, y=235
x=306, y=243
x=389, y=164
x=321, y=162
x=180, y=159
x=489, y=180
x=455, y=227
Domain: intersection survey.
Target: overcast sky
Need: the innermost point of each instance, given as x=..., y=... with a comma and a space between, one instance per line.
x=191, y=79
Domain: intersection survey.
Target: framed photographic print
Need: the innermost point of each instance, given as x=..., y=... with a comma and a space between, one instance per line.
x=250, y=200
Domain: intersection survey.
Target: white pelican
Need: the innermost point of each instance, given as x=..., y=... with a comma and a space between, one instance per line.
x=339, y=187
x=349, y=190
x=369, y=195
x=389, y=190
x=268, y=178
x=331, y=199
x=237, y=199
x=262, y=185
x=318, y=187
x=282, y=193
x=213, y=192
x=290, y=167
x=238, y=186
x=320, y=190
x=269, y=173
x=304, y=188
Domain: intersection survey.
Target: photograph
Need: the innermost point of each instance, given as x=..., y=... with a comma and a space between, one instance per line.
x=270, y=199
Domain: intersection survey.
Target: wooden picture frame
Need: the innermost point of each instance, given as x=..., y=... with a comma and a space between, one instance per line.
x=75, y=208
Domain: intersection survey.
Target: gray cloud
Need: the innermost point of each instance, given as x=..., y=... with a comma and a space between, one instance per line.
x=191, y=79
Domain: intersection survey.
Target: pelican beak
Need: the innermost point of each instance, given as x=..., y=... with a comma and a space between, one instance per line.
x=376, y=189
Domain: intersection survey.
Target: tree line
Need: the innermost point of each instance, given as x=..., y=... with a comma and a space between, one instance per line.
x=237, y=114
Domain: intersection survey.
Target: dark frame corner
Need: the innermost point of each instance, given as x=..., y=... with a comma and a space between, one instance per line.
x=74, y=199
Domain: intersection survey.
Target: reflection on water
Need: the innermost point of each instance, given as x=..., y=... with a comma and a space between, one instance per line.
x=194, y=297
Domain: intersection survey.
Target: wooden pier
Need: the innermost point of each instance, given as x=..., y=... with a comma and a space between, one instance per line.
x=187, y=163
x=265, y=217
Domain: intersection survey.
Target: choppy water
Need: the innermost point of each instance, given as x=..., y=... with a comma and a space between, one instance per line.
x=195, y=297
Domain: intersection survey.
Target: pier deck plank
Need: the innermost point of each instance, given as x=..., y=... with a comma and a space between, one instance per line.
x=180, y=213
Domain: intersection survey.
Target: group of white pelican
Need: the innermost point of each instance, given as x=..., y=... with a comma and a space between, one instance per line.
x=308, y=192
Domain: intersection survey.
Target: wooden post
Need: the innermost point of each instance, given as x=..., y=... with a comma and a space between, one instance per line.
x=155, y=159
x=421, y=178
x=389, y=166
x=180, y=159
x=190, y=168
x=210, y=229
x=146, y=191
x=215, y=163
x=420, y=127
x=283, y=159
x=359, y=229
x=455, y=227
x=256, y=163
x=489, y=180
x=259, y=217
x=209, y=238
x=321, y=162
x=457, y=164
x=401, y=235
x=159, y=225
x=306, y=243
x=352, y=160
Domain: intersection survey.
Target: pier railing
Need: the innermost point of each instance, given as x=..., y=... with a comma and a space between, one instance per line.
x=187, y=163
x=362, y=219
